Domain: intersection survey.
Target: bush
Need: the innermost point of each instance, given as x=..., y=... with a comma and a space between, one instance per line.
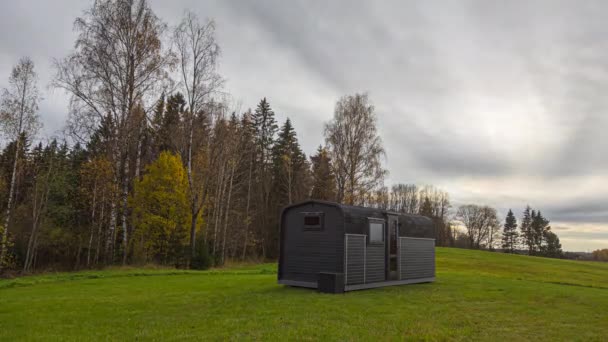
x=201, y=260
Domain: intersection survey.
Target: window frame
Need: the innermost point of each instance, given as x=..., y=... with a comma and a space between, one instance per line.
x=372, y=220
x=319, y=227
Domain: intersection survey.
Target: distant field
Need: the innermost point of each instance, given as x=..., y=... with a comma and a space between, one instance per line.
x=478, y=295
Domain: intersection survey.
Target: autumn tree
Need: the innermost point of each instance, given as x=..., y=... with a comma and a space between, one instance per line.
x=355, y=148
x=160, y=211
x=98, y=190
x=118, y=63
x=19, y=120
x=509, y=233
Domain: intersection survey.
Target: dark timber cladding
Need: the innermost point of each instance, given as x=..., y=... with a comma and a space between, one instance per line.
x=327, y=245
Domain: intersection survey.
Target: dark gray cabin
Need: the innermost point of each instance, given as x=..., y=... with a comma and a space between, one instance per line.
x=336, y=248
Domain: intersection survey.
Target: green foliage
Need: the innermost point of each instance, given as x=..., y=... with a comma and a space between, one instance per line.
x=202, y=259
x=160, y=211
x=477, y=296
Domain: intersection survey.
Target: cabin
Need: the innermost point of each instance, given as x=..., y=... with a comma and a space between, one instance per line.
x=335, y=248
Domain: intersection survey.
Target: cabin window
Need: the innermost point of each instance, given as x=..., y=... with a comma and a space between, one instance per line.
x=376, y=232
x=313, y=221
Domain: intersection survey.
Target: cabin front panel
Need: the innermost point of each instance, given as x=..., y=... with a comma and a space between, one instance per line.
x=355, y=258
x=308, y=249
x=417, y=258
x=375, y=263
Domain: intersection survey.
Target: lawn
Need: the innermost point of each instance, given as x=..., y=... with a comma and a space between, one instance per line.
x=478, y=295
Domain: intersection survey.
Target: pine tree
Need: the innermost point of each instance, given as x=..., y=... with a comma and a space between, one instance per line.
x=168, y=134
x=290, y=167
x=265, y=127
x=509, y=233
x=323, y=177
x=426, y=209
x=540, y=226
x=526, y=229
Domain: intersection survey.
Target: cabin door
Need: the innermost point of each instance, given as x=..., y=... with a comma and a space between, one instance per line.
x=392, y=261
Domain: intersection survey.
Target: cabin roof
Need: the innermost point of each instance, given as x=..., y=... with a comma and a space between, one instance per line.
x=360, y=211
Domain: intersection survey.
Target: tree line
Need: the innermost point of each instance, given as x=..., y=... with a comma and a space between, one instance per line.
x=161, y=168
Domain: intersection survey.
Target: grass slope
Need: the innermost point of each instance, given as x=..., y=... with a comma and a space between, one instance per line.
x=478, y=295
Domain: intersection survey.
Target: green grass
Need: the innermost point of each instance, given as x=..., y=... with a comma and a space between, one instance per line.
x=478, y=295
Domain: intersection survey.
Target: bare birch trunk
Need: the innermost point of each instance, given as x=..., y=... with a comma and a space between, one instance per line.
x=99, y=226
x=218, y=213
x=247, y=212
x=226, y=216
x=4, y=237
x=92, y=224
x=125, y=207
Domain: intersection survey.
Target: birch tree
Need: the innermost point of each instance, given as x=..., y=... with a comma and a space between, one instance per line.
x=198, y=55
x=356, y=148
x=118, y=64
x=19, y=118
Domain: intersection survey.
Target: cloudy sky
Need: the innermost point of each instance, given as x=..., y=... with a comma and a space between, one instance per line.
x=499, y=103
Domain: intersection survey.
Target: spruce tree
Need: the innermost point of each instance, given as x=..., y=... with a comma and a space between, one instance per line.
x=265, y=128
x=526, y=229
x=290, y=166
x=540, y=226
x=509, y=233
x=323, y=177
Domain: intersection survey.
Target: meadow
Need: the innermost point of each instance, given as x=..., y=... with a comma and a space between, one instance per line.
x=478, y=295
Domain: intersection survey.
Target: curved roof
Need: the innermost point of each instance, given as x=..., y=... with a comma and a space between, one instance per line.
x=365, y=211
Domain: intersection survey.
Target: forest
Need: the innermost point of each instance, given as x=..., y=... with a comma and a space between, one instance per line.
x=158, y=166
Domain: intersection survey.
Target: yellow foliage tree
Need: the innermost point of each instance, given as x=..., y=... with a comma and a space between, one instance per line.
x=161, y=212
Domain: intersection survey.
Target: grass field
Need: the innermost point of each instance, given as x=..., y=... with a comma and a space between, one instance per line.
x=478, y=295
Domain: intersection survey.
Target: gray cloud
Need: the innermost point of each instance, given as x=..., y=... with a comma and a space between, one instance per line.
x=497, y=102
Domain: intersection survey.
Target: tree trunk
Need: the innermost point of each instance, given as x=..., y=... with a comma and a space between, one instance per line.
x=92, y=224
x=99, y=225
x=227, y=213
x=4, y=227
x=246, y=239
x=125, y=207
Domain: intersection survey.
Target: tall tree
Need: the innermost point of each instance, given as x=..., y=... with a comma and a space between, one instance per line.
x=290, y=167
x=19, y=118
x=323, y=177
x=118, y=64
x=265, y=127
x=552, y=248
x=509, y=233
x=527, y=237
x=198, y=55
x=160, y=207
x=356, y=149
x=481, y=223
x=539, y=228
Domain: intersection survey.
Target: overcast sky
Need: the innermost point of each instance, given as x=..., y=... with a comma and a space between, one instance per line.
x=499, y=103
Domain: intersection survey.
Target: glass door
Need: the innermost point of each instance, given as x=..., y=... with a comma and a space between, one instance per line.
x=392, y=250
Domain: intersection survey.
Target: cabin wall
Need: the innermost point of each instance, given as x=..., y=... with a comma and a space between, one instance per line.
x=417, y=258
x=374, y=263
x=305, y=253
